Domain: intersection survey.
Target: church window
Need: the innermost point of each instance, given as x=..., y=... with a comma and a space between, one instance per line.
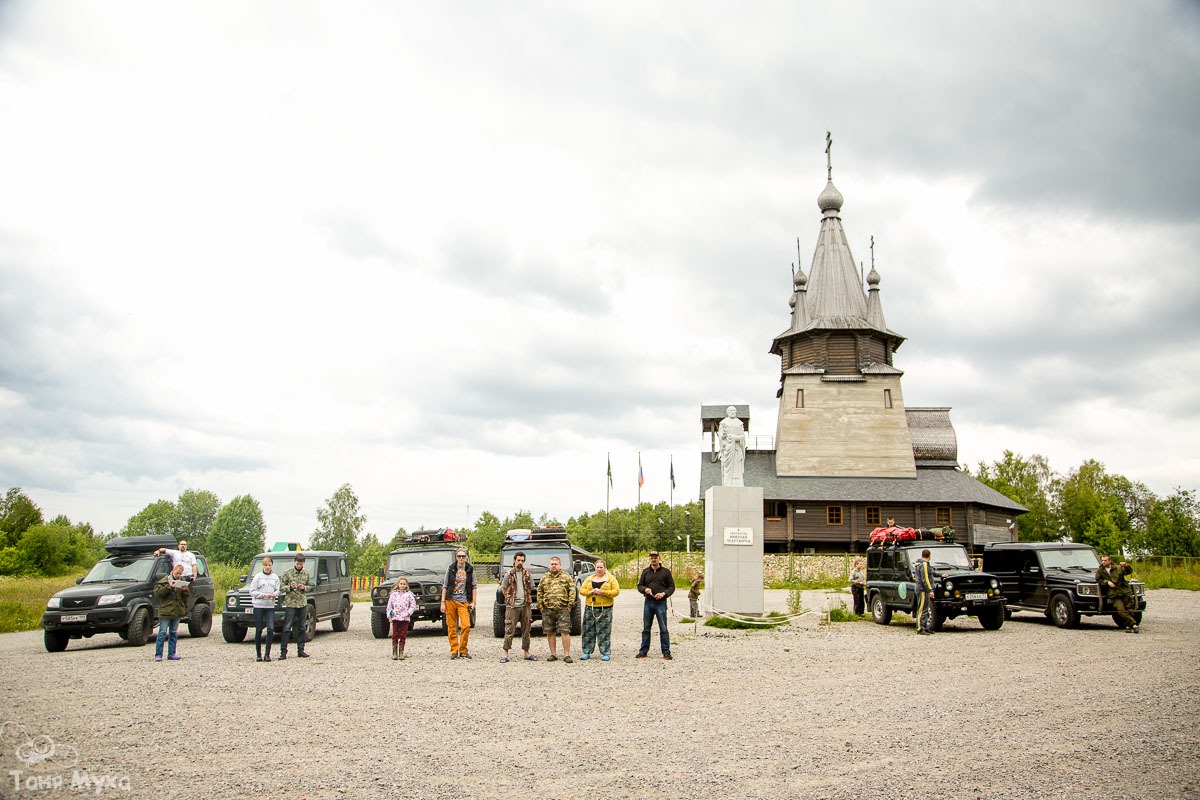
x=799, y=398
x=833, y=515
x=873, y=515
x=887, y=398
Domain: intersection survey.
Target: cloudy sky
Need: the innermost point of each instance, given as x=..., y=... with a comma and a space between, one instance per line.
x=454, y=254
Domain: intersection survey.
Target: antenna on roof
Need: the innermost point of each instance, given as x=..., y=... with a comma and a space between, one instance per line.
x=828, y=161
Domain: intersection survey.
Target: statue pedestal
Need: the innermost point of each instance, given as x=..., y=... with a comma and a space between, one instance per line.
x=733, y=549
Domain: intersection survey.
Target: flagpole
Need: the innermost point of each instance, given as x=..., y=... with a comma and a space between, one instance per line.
x=607, y=500
x=639, y=497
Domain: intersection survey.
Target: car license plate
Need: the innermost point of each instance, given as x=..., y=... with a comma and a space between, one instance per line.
x=73, y=618
x=977, y=596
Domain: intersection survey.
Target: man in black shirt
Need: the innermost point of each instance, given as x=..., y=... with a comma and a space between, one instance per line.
x=656, y=585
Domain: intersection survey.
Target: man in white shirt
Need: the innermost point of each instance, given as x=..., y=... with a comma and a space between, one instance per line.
x=181, y=556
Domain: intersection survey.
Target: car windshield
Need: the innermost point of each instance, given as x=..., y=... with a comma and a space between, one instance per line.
x=435, y=561
x=537, y=561
x=136, y=568
x=277, y=567
x=949, y=556
x=1080, y=558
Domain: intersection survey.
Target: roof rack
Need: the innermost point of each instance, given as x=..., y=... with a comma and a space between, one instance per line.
x=890, y=537
x=543, y=533
x=434, y=536
x=127, y=545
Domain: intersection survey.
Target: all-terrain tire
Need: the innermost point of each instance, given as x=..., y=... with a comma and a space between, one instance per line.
x=200, y=621
x=992, y=618
x=498, y=621
x=1062, y=612
x=342, y=621
x=379, y=626
x=879, y=609
x=232, y=632
x=56, y=641
x=139, y=627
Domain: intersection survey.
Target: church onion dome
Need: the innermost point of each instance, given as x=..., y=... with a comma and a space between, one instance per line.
x=873, y=277
x=830, y=199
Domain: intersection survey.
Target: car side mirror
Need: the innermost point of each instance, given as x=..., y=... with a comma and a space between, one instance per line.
x=382, y=572
x=243, y=578
x=495, y=570
x=577, y=567
x=78, y=581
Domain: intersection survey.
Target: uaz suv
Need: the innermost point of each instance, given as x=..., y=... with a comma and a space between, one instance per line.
x=329, y=599
x=539, y=545
x=423, y=559
x=958, y=590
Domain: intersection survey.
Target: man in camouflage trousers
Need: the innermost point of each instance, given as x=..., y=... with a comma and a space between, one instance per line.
x=1114, y=585
x=556, y=601
x=295, y=583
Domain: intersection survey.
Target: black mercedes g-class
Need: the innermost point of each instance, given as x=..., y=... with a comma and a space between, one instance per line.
x=1057, y=579
x=958, y=589
x=329, y=598
x=422, y=558
x=117, y=596
x=538, y=545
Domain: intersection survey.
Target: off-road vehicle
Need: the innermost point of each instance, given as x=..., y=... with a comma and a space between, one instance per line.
x=329, y=599
x=422, y=558
x=539, y=545
x=1057, y=579
x=958, y=590
x=117, y=596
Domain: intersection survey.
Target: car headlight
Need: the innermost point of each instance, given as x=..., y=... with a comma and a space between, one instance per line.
x=109, y=599
x=231, y=601
x=949, y=586
x=995, y=583
x=54, y=602
x=1089, y=589
x=431, y=590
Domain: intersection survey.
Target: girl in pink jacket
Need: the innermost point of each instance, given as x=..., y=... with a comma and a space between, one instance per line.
x=401, y=606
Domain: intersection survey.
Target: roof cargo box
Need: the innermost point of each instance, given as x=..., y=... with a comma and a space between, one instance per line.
x=140, y=544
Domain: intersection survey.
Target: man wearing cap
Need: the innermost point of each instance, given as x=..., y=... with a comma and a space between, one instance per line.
x=656, y=584
x=296, y=583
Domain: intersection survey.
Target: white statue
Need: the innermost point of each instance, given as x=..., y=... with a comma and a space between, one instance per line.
x=732, y=436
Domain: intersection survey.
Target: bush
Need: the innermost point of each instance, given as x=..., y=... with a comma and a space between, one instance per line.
x=225, y=578
x=843, y=614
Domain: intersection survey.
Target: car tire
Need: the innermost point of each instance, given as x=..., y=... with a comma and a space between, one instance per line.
x=1007, y=612
x=498, y=621
x=379, y=626
x=1137, y=617
x=232, y=632
x=1062, y=612
x=310, y=624
x=342, y=621
x=577, y=620
x=992, y=618
x=879, y=610
x=139, y=627
x=56, y=641
x=937, y=620
x=200, y=621
x=445, y=628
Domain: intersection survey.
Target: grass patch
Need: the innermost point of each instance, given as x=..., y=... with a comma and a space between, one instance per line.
x=686, y=620
x=843, y=614
x=802, y=584
x=772, y=620
x=1160, y=577
x=22, y=600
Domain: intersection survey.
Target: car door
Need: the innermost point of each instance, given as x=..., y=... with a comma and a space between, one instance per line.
x=325, y=593
x=1033, y=581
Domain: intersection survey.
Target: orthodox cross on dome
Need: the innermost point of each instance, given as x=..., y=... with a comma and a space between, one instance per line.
x=872, y=252
x=828, y=161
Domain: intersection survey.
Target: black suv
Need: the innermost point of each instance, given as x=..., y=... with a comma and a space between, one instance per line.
x=117, y=596
x=328, y=599
x=539, y=545
x=958, y=589
x=1056, y=579
x=423, y=558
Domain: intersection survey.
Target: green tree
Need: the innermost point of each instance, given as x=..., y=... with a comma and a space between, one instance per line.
x=1029, y=482
x=487, y=537
x=368, y=556
x=48, y=548
x=1101, y=509
x=1173, y=526
x=398, y=539
x=17, y=514
x=196, y=512
x=339, y=523
x=238, y=533
x=160, y=518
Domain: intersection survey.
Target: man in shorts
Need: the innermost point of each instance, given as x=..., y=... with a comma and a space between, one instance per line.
x=556, y=601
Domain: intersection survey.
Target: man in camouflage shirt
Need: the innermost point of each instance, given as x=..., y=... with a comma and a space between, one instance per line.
x=1114, y=584
x=295, y=583
x=556, y=601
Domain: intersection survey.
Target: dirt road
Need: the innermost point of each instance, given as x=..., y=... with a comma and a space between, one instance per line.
x=853, y=710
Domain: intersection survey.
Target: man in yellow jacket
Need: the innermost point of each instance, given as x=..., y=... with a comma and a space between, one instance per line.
x=598, y=594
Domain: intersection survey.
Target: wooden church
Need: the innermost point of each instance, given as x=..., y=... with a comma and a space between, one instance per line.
x=848, y=455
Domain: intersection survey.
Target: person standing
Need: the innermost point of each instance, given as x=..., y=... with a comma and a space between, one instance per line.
x=923, y=573
x=858, y=586
x=182, y=556
x=401, y=605
x=598, y=594
x=694, y=596
x=172, y=606
x=458, y=600
x=1114, y=585
x=296, y=584
x=264, y=589
x=517, y=588
x=556, y=601
x=656, y=584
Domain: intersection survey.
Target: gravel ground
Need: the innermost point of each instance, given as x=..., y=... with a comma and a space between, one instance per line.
x=854, y=710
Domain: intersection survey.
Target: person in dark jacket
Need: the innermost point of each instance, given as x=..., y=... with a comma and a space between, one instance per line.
x=1114, y=585
x=656, y=585
x=172, y=606
x=458, y=600
x=517, y=589
x=923, y=573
